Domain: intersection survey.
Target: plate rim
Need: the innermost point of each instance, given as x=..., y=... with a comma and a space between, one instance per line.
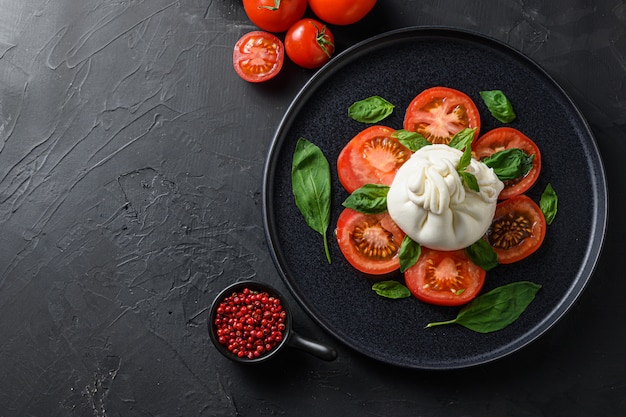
x=600, y=217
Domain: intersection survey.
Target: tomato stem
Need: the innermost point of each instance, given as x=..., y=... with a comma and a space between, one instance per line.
x=320, y=38
x=275, y=7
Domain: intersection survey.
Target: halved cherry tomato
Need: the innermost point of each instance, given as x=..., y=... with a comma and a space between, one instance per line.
x=369, y=242
x=341, y=12
x=373, y=156
x=447, y=278
x=517, y=230
x=438, y=113
x=502, y=138
x=258, y=56
x=309, y=43
x=274, y=15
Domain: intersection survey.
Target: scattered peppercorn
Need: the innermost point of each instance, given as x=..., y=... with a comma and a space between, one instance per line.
x=250, y=323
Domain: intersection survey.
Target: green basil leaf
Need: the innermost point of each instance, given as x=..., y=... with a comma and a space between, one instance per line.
x=310, y=181
x=409, y=253
x=462, y=139
x=482, y=254
x=412, y=140
x=496, y=309
x=470, y=180
x=391, y=289
x=499, y=105
x=510, y=163
x=369, y=199
x=370, y=110
x=548, y=203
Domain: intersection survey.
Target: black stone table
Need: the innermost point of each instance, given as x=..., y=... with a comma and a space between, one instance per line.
x=131, y=164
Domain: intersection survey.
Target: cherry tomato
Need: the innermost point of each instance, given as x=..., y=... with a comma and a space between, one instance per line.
x=503, y=138
x=309, y=43
x=274, y=15
x=341, y=12
x=258, y=56
x=373, y=156
x=369, y=242
x=447, y=278
x=438, y=113
x=517, y=230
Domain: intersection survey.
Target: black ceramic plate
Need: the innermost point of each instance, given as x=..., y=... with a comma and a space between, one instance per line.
x=397, y=66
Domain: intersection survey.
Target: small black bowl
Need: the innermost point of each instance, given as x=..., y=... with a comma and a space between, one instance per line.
x=290, y=338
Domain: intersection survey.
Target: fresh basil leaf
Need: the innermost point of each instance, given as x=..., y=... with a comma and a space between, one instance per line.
x=369, y=199
x=310, y=181
x=370, y=110
x=391, y=289
x=409, y=253
x=548, y=203
x=470, y=180
x=499, y=105
x=482, y=254
x=510, y=163
x=412, y=140
x=496, y=309
x=462, y=139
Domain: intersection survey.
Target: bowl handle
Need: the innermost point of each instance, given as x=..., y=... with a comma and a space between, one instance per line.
x=317, y=349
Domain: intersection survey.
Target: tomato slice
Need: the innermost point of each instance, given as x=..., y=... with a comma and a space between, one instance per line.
x=438, y=113
x=258, y=56
x=518, y=229
x=373, y=156
x=502, y=138
x=447, y=278
x=369, y=242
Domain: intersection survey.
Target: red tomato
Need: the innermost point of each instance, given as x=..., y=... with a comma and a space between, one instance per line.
x=373, y=156
x=274, y=15
x=369, y=242
x=447, y=278
x=341, y=12
x=309, y=43
x=503, y=138
x=438, y=113
x=517, y=230
x=258, y=56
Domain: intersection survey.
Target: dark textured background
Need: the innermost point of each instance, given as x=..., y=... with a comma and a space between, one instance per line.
x=131, y=163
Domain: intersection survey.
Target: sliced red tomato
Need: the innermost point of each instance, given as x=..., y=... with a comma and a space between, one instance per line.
x=503, y=138
x=258, y=56
x=373, y=156
x=274, y=15
x=369, y=242
x=447, y=278
x=518, y=229
x=438, y=113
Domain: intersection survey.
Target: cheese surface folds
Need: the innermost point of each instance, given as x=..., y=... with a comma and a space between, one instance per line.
x=430, y=203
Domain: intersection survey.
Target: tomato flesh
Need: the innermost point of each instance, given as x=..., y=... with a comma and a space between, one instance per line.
x=518, y=229
x=373, y=156
x=265, y=14
x=438, y=113
x=369, y=242
x=258, y=56
x=341, y=12
x=503, y=138
x=447, y=278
